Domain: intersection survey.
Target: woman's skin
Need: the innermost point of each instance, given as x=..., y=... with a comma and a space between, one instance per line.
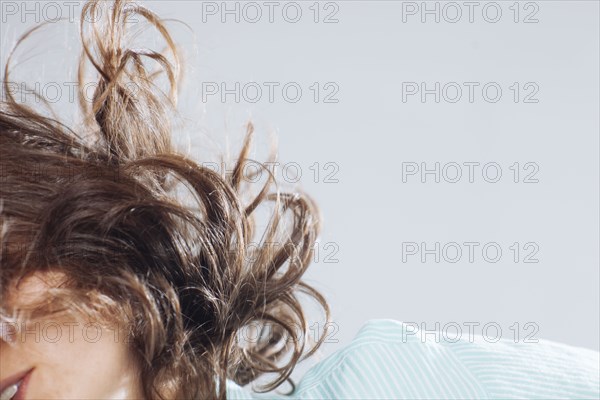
x=75, y=362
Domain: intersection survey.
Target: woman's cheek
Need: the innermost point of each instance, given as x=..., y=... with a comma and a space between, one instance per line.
x=75, y=359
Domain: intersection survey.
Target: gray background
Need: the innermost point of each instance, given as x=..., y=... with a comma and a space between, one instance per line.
x=371, y=131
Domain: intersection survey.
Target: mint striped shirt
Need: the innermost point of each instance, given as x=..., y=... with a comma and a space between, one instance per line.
x=387, y=360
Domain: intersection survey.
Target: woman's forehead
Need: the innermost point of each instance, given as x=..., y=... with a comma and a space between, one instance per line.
x=34, y=288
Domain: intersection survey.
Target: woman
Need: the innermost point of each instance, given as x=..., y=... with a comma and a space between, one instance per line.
x=112, y=287
x=115, y=285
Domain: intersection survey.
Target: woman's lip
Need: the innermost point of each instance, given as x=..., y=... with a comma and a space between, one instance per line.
x=20, y=395
x=11, y=380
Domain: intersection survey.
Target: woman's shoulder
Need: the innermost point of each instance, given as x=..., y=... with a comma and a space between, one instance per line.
x=399, y=360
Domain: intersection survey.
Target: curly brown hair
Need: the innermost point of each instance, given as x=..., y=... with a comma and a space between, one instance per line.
x=108, y=215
